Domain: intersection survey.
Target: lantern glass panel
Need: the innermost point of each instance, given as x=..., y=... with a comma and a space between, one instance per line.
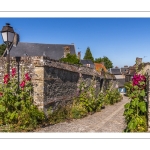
x=4, y=35
x=10, y=37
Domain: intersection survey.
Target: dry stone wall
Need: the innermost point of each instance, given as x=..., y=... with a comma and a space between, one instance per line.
x=55, y=83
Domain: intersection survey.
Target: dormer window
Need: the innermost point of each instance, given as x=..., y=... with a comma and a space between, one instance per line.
x=88, y=65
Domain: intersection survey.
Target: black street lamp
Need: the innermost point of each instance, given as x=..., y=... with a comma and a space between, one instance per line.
x=8, y=37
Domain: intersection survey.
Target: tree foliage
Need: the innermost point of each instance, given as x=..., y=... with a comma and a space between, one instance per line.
x=88, y=55
x=107, y=62
x=2, y=49
x=72, y=59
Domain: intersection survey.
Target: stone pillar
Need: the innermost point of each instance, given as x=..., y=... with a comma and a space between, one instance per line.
x=38, y=83
x=148, y=99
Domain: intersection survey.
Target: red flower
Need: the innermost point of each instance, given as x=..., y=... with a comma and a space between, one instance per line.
x=143, y=78
x=6, y=78
x=137, y=79
x=1, y=94
x=27, y=77
x=22, y=84
x=13, y=72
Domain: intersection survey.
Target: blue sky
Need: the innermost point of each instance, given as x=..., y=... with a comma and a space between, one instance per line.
x=120, y=39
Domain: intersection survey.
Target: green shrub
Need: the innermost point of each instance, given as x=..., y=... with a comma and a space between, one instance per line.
x=59, y=115
x=71, y=59
x=128, y=87
x=89, y=101
x=78, y=111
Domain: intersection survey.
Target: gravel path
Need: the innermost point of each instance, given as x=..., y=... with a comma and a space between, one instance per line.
x=110, y=119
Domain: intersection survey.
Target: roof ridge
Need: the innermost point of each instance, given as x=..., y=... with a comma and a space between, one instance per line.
x=44, y=43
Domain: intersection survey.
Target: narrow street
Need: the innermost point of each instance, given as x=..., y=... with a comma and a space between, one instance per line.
x=110, y=119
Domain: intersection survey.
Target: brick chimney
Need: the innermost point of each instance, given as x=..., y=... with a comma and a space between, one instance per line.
x=138, y=60
x=79, y=55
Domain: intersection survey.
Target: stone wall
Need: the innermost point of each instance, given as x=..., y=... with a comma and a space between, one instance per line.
x=55, y=83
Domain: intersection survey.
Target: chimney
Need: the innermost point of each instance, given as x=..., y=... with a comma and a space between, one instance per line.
x=79, y=55
x=138, y=60
x=66, y=51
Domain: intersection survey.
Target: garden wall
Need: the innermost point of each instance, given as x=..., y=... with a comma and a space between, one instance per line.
x=55, y=83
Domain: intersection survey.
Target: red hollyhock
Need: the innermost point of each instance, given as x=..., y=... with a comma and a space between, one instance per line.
x=1, y=94
x=6, y=78
x=22, y=84
x=27, y=77
x=143, y=78
x=13, y=72
x=138, y=79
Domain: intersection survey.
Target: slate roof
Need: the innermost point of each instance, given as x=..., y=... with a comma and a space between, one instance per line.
x=84, y=61
x=54, y=51
x=115, y=71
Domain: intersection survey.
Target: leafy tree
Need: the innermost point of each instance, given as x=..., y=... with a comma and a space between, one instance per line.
x=107, y=62
x=2, y=49
x=88, y=55
x=72, y=59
